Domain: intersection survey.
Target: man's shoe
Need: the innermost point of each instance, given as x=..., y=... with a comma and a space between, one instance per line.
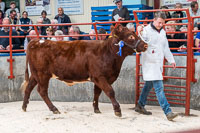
x=171, y=116
x=142, y=110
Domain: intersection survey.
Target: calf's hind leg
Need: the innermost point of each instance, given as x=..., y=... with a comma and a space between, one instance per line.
x=31, y=84
x=97, y=92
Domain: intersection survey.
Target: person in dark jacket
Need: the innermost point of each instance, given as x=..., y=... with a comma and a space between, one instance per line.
x=120, y=13
x=4, y=42
x=62, y=18
x=175, y=44
x=45, y=21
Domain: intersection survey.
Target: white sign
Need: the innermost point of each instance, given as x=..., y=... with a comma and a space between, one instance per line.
x=73, y=7
x=173, y=2
x=34, y=7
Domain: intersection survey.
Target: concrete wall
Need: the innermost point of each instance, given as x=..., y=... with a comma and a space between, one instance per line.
x=58, y=91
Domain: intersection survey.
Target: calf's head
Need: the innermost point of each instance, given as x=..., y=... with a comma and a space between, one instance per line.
x=129, y=38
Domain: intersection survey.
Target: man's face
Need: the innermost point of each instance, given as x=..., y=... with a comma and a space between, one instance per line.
x=196, y=7
x=170, y=29
x=178, y=6
x=59, y=38
x=158, y=23
x=119, y=4
x=12, y=6
x=60, y=11
x=13, y=15
x=6, y=22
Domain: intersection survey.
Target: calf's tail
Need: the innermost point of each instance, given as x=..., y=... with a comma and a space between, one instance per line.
x=25, y=82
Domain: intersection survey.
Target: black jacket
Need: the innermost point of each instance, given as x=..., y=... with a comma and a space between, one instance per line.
x=5, y=41
x=64, y=19
x=123, y=12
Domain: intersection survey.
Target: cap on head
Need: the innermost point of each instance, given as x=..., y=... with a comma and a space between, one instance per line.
x=115, y=1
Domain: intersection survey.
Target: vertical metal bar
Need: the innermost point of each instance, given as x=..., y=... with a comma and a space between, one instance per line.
x=95, y=28
x=36, y=30
x=189, y=63
x=137, y=77
x=11, y=58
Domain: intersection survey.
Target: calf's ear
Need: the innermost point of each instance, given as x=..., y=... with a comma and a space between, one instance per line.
x=119, y=27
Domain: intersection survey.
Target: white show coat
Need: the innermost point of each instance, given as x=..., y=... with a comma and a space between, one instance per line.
x=152, y=58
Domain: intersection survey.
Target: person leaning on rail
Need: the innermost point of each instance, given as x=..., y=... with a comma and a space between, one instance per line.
x=120, y=13
x=152, y=64
x=4, y=42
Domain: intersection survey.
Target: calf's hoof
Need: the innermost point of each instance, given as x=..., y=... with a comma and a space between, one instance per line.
x=97, y=111
x=119, y=114
x=56, y=112
x=24, y=108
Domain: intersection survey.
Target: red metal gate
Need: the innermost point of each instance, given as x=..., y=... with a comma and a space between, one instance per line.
x=180, y=96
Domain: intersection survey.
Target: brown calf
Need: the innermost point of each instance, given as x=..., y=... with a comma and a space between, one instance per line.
x=78, y=61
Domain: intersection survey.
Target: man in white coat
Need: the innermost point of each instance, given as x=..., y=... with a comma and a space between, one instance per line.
x=152, y=64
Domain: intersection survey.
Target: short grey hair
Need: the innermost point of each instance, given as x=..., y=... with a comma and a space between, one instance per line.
x=130, y=25
x=58, y=33
x=76, y=29
x=159, y=14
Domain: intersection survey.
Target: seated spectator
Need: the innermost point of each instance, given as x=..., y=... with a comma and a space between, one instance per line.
x=74, y=30
x=39, y=22
x=44, y=21
x=61, y=38
x=12, y=7
x=168, y=15
x=131, y=26
x=102, y=31
x=178, y=14
x=54, y=21
x=62, y=18
x=49, y=33
x=28, y=38
x=4, y=42
x=92, y=32
x=2, y=6
x=177, y=44
x=195, y=11
x=24, y=30
x=1, y=17
x=13, y=19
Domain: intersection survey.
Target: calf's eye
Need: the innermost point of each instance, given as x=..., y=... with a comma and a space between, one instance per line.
x=131, y=37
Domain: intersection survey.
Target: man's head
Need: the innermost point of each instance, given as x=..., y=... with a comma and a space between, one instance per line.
x=90, y=33
x=60, y=11
x=43, y=14
x=59, y=33
x=159, y=19
x=178, y=6
x=6, y=21
x=118, y=3
x=32, y=33
x=194, y=6
x=102, y=31
x=12, y=5
x=170, y=28
x=131, y=26
x=74, y=30
x=13, y=13
x=25, y=14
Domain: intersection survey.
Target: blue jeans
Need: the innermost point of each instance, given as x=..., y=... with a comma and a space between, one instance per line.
x=159, y=90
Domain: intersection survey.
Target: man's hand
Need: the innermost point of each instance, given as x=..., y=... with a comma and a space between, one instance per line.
x=174, y=65
x=121, y=19
x=140, y=29
x=1, y=47
x=8, y=47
